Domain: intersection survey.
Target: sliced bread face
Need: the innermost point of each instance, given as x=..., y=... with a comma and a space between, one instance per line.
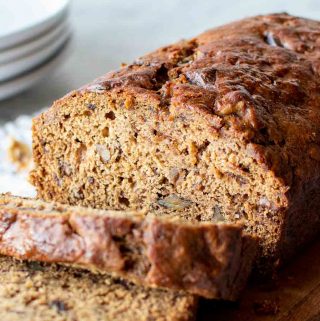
x=33, y=291
x=206, y=259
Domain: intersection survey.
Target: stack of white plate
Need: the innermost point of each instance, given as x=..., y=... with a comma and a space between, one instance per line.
x=33, y=37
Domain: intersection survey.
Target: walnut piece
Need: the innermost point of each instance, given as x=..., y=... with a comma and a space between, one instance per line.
x=174, y=202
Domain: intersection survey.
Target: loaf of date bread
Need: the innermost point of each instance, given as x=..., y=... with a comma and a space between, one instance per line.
x=224, y=126
x=34, y=291
x=206, y=259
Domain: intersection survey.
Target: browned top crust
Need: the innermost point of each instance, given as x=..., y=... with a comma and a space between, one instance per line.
x=256, y=79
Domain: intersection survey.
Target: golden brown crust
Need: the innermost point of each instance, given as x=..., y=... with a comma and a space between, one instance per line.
x=211, y=260
x=257, y=79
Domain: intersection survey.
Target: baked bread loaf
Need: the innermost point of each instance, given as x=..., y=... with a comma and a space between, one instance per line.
x=32, y=291
x=210, y=260
x=224, y=126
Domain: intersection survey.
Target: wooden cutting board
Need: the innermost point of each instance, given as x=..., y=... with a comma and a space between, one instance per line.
x=294, y=297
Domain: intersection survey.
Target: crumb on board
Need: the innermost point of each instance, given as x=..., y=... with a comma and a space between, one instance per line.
x=266, y=307
x=19, y=154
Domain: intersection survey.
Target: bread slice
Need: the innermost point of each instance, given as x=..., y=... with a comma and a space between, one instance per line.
x=224, y=126
x=33, y=291
x=210, y=260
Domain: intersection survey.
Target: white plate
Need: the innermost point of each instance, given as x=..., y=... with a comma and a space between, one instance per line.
x=17, y=85
x=20, y=66
x=15, y=53
x=22, y=20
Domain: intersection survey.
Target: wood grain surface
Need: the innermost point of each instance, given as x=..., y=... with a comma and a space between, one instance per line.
x=294, y=296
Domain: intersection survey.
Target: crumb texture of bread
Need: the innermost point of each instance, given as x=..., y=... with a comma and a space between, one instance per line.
x=222, y=127
x=33, y=291
x=205, y=259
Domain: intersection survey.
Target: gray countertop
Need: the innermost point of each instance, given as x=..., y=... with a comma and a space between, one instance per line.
x=108, y=32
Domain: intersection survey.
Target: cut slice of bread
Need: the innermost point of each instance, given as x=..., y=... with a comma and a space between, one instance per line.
x=33, y=291
x=210, y=260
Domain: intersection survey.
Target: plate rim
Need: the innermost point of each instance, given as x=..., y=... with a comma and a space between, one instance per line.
x=27, y=48
x=28, y=79
x=40, y=27
x=24, y=64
